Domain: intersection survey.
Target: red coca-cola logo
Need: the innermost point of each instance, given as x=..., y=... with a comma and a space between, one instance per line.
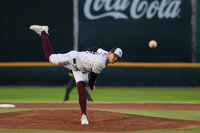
x=162, y=9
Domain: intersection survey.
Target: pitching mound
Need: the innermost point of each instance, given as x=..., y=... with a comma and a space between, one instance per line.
x=101, y=121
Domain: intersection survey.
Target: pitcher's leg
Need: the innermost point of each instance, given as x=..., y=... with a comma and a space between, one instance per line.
x=81, y=80
x=43, y=31
x=48, y=49
x=82, y=101
x=82, y=96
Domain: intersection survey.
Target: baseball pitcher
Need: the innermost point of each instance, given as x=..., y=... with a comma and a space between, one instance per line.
x=81, y=63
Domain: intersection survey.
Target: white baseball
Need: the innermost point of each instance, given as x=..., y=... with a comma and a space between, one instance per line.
x=152, y=44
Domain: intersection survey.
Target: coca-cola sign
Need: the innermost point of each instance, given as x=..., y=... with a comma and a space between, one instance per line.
x=137, y=9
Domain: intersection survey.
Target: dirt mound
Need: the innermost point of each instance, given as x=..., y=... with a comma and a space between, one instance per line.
x=131, y=106
x=101, y=121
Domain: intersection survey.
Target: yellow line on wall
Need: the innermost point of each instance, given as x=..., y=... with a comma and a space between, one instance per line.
x=131, y=64
x=24, y=64
x=117, y=64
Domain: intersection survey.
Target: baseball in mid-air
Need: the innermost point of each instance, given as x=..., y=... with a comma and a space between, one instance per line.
x=153, y=44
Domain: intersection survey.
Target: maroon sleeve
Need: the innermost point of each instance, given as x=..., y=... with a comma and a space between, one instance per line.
x=93, y=49
x=92, y=80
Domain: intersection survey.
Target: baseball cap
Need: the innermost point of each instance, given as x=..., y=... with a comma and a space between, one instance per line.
x=117, y=51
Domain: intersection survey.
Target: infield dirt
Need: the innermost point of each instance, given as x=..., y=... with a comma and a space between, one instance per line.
x=100, y=121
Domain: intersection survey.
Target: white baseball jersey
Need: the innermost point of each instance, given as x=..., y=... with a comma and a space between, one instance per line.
x=92, y=61
x=81, y=63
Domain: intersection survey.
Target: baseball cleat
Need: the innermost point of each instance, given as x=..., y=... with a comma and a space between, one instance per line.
x=38, y=29
x=84, y=120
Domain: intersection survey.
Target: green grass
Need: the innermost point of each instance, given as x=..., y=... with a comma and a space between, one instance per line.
x=29, y=94
x=135, y=95
x=3, y=110
x=188, y=130
x=174, y=114
x=139, y=95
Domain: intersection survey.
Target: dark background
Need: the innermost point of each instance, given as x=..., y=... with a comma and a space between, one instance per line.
x=19, y=44
x=173, y=35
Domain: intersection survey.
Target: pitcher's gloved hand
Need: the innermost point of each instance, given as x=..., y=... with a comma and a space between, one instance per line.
x=92, y=79
x=92, y=87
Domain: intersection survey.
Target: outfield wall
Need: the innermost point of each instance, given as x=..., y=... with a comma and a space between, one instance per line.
x=198, y=33
x=131, y=24
x=18, y=43
x=135, y=75
x=173, y=33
